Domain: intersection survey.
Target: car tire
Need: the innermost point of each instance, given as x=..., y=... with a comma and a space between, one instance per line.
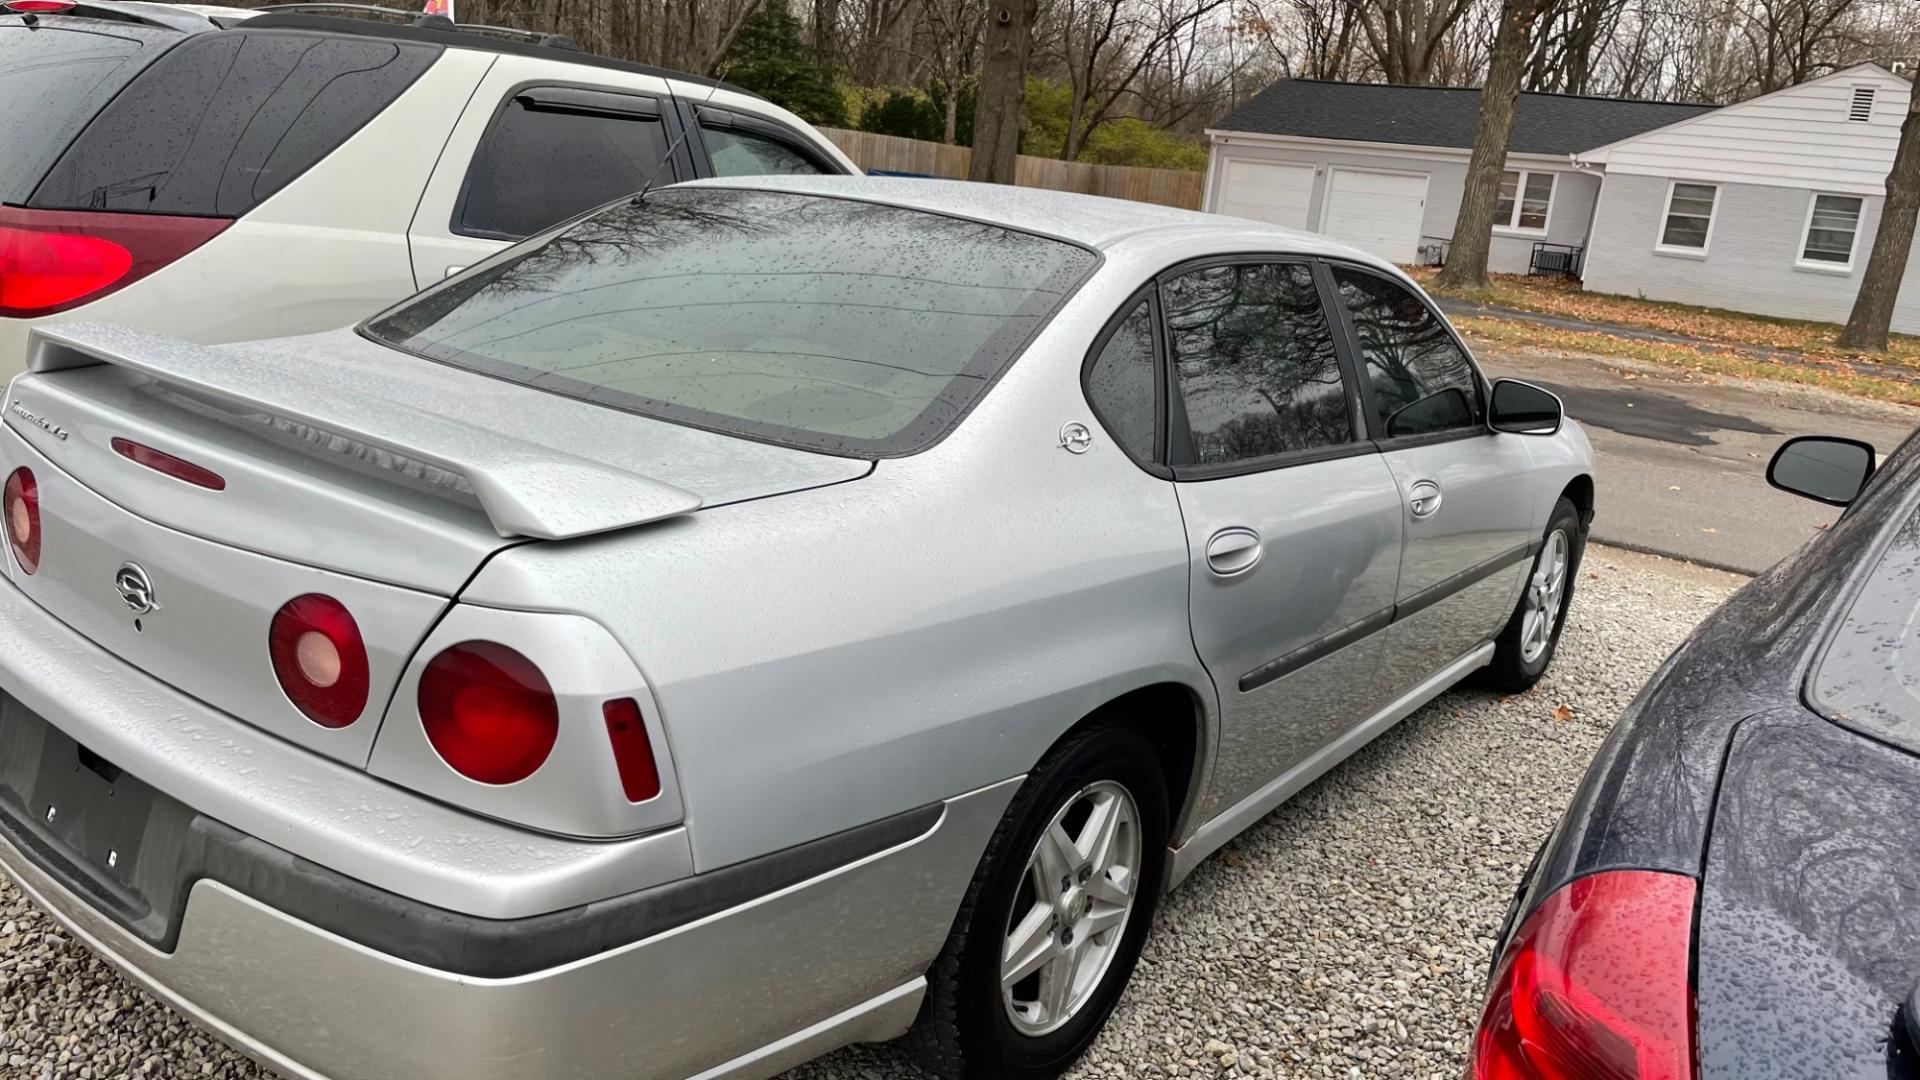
x=969, y=1028
x=1521, y=653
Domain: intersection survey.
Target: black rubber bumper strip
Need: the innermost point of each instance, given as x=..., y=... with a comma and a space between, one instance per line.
x=184, y=847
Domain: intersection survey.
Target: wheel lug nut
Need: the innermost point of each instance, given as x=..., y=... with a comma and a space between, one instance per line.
x=1086, y=873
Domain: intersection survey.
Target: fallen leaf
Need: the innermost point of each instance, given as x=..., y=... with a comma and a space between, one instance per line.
x=1709, y=530
x=1673, y=487
x=1562, y=714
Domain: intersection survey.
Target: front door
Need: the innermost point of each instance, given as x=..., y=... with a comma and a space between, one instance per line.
x=1293, y=519
x=1466, y=502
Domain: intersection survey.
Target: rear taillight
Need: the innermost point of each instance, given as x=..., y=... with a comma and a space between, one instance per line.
x=1594, y=986
x=37, y=7
x=162, y=462
x=320, y=659
x=632, y=752
x=22, y=507
x=488, y=711
x=52, y=260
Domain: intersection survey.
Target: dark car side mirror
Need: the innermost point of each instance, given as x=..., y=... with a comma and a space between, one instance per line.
x=1521, y=408
x=1824, y=468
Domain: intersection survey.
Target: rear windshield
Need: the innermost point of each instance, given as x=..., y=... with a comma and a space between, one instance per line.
x=1869, y=679
x=52, y=81
x=825, y=323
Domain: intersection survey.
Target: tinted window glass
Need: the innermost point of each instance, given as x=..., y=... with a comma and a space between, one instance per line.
x=540, y=166
x=1121, y=383
x=739, y=153
x=1422, y=380
x=1869, y=679
x=1255, y=362
x=224, y=120
x=826, y=323
x=51, y=82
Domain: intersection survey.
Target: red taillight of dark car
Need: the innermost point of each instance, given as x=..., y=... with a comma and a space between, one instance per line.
x=488, y=711
x=1594, y=986
x=22, y=508
x=53, y=260
x=320, y=659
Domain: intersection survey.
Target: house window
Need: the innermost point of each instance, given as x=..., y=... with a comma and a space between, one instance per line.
x=1525, y=197
x=1862, y=107
x=1833, y=223
x=1689, y=216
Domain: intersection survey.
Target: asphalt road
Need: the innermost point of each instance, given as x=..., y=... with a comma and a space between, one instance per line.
x=1683, y=459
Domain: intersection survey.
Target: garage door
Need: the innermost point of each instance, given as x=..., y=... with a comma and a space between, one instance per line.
x=1266, y=192
x=1377, y=212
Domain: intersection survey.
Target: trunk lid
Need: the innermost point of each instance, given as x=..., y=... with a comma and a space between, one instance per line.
x=345, y=468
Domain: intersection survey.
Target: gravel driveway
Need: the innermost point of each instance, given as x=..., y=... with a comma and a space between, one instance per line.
x=1345, y=936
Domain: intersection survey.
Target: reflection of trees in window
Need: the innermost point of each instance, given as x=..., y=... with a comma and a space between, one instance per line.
x=1256, y=362
x=1409, y=355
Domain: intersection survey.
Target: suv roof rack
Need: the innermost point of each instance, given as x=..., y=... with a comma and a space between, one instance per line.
x=147, y=14
x=436, y=29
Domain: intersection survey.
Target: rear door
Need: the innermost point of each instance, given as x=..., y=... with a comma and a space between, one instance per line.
x=1293, y=520
x=541, y=142
x=1466, y=503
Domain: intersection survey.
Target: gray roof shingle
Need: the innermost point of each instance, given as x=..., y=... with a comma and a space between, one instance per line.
x=1445, y=116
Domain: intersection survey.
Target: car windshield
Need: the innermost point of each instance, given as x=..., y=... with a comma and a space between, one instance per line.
x=825, y=323
x=1869, y=677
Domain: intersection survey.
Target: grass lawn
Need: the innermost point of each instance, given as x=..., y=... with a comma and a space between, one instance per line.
x=1824, y=363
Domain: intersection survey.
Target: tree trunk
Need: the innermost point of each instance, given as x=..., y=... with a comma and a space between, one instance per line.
x=953, y=112
x=1466, y=267
x=1003, y=91
x=1872, y=314
x=826, y=31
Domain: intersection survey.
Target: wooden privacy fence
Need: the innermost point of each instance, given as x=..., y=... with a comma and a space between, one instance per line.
x=1168, y=187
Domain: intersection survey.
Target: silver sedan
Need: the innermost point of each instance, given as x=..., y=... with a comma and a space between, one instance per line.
x=755, y=617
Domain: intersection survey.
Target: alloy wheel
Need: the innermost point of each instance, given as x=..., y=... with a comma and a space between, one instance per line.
x=1544, y=591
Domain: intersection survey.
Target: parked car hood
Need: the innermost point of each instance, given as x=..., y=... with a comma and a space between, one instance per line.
x=348, y=455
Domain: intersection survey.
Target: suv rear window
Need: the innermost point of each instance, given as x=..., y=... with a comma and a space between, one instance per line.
x=224, y=120
x=824, y=323
x=52, y=80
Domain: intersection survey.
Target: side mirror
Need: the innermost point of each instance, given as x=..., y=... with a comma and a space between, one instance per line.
x=1521, y=408
x=1824, y=468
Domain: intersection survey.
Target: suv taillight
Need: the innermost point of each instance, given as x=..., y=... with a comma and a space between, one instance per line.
x=52, y=260
x=21, y=506
x=1594, y=985
x=488, y=711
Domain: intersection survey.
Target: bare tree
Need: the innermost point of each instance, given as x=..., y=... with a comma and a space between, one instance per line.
x=1872, y=316
x=1473, y=232
x=1406, y=36
x=1108, y=45
x=1008, y=44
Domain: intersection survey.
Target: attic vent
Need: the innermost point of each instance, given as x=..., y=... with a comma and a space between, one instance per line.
x=1862, y=108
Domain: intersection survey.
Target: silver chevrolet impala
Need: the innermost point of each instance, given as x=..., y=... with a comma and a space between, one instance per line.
x=752, y=618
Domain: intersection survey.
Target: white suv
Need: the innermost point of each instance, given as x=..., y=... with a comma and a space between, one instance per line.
x=220, y=175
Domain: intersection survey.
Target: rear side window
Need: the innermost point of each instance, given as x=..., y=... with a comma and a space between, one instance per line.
x=554, y=153
x=1423, y=382
x=1120, y=384
x=824, y=323
x=741, y=153
x=225, y=120
x=51, y=82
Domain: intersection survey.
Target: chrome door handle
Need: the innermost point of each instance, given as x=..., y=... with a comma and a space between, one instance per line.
x=1233, y=551
x=1423, y=499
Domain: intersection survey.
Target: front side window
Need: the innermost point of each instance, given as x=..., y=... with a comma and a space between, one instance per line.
x=740, y=153
x=1423, y=381
x=1833, y=223
x=1254, y=358
x=823, y=323
x=543, y=162
x=1120, y=383
x=1525, y=198
x=1689, y=216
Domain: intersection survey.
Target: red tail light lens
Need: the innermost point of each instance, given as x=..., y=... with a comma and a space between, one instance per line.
x=1594, y=986
x=162, y=462
x=22, y=507
x=489, y=712
x=37, y=7
x=320, y=659
x=52, y=260
x=639, y=776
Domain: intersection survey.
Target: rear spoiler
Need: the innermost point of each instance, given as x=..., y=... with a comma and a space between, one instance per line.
x=525, y=489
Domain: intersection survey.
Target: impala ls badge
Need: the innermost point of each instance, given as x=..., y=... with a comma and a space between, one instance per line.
x=136, y=588
x=39, y=421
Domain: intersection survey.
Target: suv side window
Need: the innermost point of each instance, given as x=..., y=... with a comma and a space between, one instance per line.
x=1254, y=360
x=1121, y=381
x=1423, y=381
x=556, y=152
x=742, y=153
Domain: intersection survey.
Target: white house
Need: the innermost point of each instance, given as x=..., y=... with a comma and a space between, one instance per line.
x=1767, y=206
